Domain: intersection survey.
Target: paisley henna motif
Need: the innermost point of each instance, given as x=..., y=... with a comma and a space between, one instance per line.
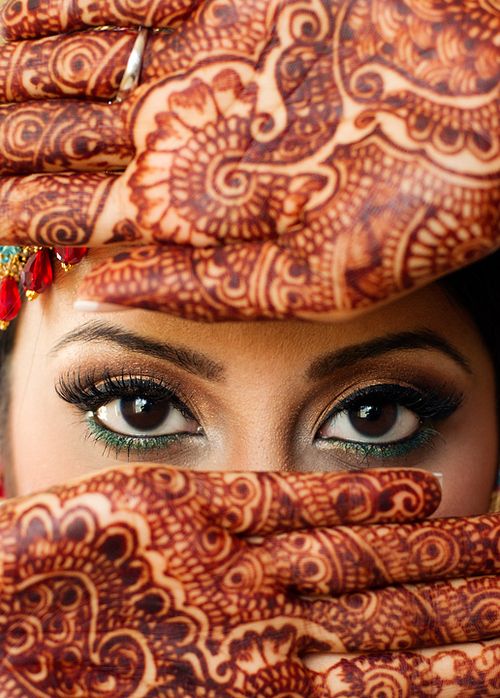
x=149, y=581
x=327, y=155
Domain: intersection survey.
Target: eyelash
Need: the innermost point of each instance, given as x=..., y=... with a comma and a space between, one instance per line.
x=89, y=391
x=430, y=405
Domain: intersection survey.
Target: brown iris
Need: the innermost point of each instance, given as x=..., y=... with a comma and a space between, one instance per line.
x=143, y=414
x=374, y=420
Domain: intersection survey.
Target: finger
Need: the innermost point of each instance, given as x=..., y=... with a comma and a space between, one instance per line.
x=238, y=281
x=457, y=671
x=24, y=19
x=62, y=135
x=52, y=209
x=256, y=280
x=263, y=502
x=406, y=617
x=90, y=64
x=266, y=502
x=340, y=560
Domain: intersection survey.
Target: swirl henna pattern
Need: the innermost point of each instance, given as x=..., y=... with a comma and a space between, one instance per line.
x=290, y=158
x=460, y=671
x=148, y=581
x=89, y=65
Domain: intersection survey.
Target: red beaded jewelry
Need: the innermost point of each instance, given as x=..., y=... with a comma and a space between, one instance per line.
x=30, y=270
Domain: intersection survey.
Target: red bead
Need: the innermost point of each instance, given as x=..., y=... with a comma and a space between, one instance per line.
x=70, y=255
x=37, y=274
x=10, y=299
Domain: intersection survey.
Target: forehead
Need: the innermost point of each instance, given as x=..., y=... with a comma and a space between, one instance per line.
x=420, y=308
x=277, y=344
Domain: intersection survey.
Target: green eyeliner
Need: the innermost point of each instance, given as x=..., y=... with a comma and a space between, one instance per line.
x=121, y=443
x=90, y=391
x=381, y=451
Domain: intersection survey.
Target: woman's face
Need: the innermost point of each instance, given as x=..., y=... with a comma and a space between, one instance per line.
x=409, y=384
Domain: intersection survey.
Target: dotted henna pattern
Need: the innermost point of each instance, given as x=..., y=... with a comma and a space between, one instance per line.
x=291, y=158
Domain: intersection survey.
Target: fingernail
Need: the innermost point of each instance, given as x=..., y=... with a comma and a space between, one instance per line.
x=84, y=306
x=439, y=477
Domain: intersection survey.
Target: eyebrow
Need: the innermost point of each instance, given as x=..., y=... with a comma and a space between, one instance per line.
x=187, y=359
x=426, y=339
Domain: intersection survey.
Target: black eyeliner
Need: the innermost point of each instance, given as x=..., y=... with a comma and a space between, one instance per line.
x=88, y=391
x=428, y=404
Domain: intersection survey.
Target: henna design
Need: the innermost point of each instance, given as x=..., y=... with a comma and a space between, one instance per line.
x=342, y=153
x=143, y=588
x=445, y=48
x=460, y=671
x=91, y=64
x=72, y=138
x=455, y=612
x=55, y=222
x=434, y=549
x=88, y=65
x=26, y=19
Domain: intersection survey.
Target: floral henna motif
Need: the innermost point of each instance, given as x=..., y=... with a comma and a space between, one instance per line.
x=339, y=154
x=143, y=581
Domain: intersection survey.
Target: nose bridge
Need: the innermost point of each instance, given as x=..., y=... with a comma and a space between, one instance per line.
x=257, y=437
x=261, y=453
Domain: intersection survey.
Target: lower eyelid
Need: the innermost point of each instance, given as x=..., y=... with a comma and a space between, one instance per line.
x=425, y=437
x=121, y=443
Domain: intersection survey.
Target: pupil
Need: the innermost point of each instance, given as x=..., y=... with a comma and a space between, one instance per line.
x=143, y=414
x=374, y=420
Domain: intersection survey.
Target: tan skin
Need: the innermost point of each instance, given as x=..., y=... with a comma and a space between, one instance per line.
x=260, y=409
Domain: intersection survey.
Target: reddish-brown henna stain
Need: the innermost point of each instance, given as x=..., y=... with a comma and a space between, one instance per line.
x=149, y=581
x=60, y=138
x=320, y=156
x=87, y=65
x=458, y=671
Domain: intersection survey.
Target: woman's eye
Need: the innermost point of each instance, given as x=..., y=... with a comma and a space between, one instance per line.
x=141, y=416
x=373, y=422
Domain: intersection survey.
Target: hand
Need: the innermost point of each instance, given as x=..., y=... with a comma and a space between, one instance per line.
x=290, y=159
x=145, y=580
